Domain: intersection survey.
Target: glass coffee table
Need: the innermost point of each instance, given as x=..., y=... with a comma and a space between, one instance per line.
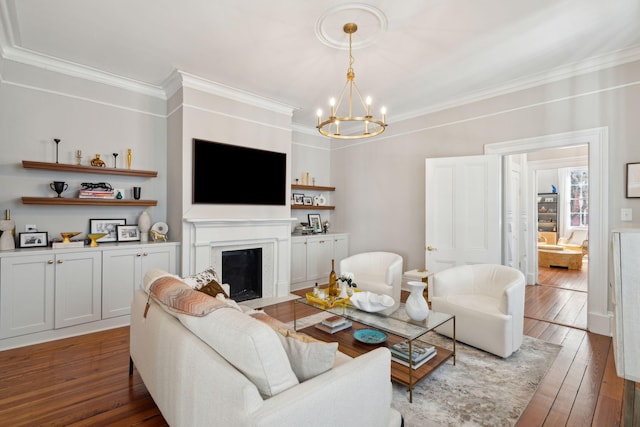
x=399, y=327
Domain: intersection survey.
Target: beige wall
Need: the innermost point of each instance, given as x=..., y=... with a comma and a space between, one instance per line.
x=38, y=105
x=382, y=202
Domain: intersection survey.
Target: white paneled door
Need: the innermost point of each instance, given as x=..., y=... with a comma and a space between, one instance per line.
x=463, y=211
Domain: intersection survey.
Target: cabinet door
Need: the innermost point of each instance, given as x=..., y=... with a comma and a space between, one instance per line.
x=121, y=272
x=319, y=255
x=26, y=294
x=340, y=249
x=298, y=260
x=161, y=257
x=78, y=279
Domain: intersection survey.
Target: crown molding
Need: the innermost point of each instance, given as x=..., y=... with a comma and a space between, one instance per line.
x=25, y=56
x=575, y=69
x=178, y=79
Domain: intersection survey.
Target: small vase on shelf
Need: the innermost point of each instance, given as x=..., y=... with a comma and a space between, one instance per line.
x=144, y=225
x=416, y=306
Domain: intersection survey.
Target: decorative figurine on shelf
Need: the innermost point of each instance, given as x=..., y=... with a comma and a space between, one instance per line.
x=57, y=141
x=128, y=158
x=78, y=157
x=97, y=162
x=7, y=225
x=159, y=231
x=157, y=236
x=115, y=158
x=58, y=187
x=325, y=227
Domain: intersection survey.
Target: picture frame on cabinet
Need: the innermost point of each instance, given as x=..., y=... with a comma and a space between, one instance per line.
x=315, y=222
x=108, y=226
x=298, y=198
x=307, y=200
x=128, y=233
x=37, y=239
x=633, y=181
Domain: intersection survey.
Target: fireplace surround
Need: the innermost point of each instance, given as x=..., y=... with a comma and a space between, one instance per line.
x=206, y=239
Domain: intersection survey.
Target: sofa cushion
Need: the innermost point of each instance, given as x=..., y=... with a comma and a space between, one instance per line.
x=308, y=356
x=152, y=275
x=249, y=345
x=198, y=280
x=179, y=297
x=213, y=288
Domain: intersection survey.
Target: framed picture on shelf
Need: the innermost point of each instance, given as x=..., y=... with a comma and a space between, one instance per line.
x=298, y=198
x=315, y=222
x=35, y=239
x=128, y=233
x=108, y=226
x=307, y=200
x=633, y=180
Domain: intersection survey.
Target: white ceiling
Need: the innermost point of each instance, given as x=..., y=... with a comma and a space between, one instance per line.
x=413, y=56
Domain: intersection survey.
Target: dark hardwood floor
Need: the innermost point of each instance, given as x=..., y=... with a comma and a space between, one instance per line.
x=84, y=381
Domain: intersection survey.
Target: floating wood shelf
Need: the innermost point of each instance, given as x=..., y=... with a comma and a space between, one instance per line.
x=87, y=169
x=86, y=202
x=313, y=208
x=311, y=187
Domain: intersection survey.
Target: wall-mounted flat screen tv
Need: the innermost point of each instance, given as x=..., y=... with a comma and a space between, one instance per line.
x=233, y=175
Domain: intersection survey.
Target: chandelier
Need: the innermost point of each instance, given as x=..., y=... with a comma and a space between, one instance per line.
x=353, y=126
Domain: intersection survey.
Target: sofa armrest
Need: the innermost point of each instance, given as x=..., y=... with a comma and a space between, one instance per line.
x=356, y=393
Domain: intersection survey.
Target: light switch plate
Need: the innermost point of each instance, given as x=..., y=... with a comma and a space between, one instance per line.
x=626, y=214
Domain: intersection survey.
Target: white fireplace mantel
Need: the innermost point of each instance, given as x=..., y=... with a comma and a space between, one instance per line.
x=207, y=238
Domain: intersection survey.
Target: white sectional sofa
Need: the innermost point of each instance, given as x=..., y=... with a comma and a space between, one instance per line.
x=193, y=385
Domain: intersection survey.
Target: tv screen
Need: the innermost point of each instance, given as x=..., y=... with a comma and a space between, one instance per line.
x=234, y=175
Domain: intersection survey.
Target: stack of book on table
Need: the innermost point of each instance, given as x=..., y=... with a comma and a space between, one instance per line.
x=422, y=353
x=333, y=324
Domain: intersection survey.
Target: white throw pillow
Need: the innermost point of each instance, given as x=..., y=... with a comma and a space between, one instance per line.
x=198, y=280
x=249, y=345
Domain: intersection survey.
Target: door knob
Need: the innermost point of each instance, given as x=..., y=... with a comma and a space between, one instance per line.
x=431, y=248
x=60, y=261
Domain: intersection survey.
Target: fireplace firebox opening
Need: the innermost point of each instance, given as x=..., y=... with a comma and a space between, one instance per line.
x=242, y=270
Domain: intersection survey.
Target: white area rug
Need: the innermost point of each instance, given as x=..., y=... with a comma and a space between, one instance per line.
x=480, y=390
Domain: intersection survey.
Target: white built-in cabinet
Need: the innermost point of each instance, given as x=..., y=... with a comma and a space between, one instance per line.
x=625, y=293
x=56, y=290
x=51, y=293
x=311, y=257
x=123, y=271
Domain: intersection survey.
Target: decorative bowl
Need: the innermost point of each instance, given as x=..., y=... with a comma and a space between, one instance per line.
x=67, y=235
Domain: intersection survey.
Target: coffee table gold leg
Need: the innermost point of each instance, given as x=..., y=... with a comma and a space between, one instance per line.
x=294, y=318
x=454, y=340
x=410, y=371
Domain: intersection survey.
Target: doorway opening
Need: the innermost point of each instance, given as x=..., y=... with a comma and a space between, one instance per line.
x=597, y=315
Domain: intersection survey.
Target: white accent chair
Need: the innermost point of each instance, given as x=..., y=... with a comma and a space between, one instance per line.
x=377, y=272
x=488, y=302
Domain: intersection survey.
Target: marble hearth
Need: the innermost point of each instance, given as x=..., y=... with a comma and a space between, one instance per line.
x=207, y=239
